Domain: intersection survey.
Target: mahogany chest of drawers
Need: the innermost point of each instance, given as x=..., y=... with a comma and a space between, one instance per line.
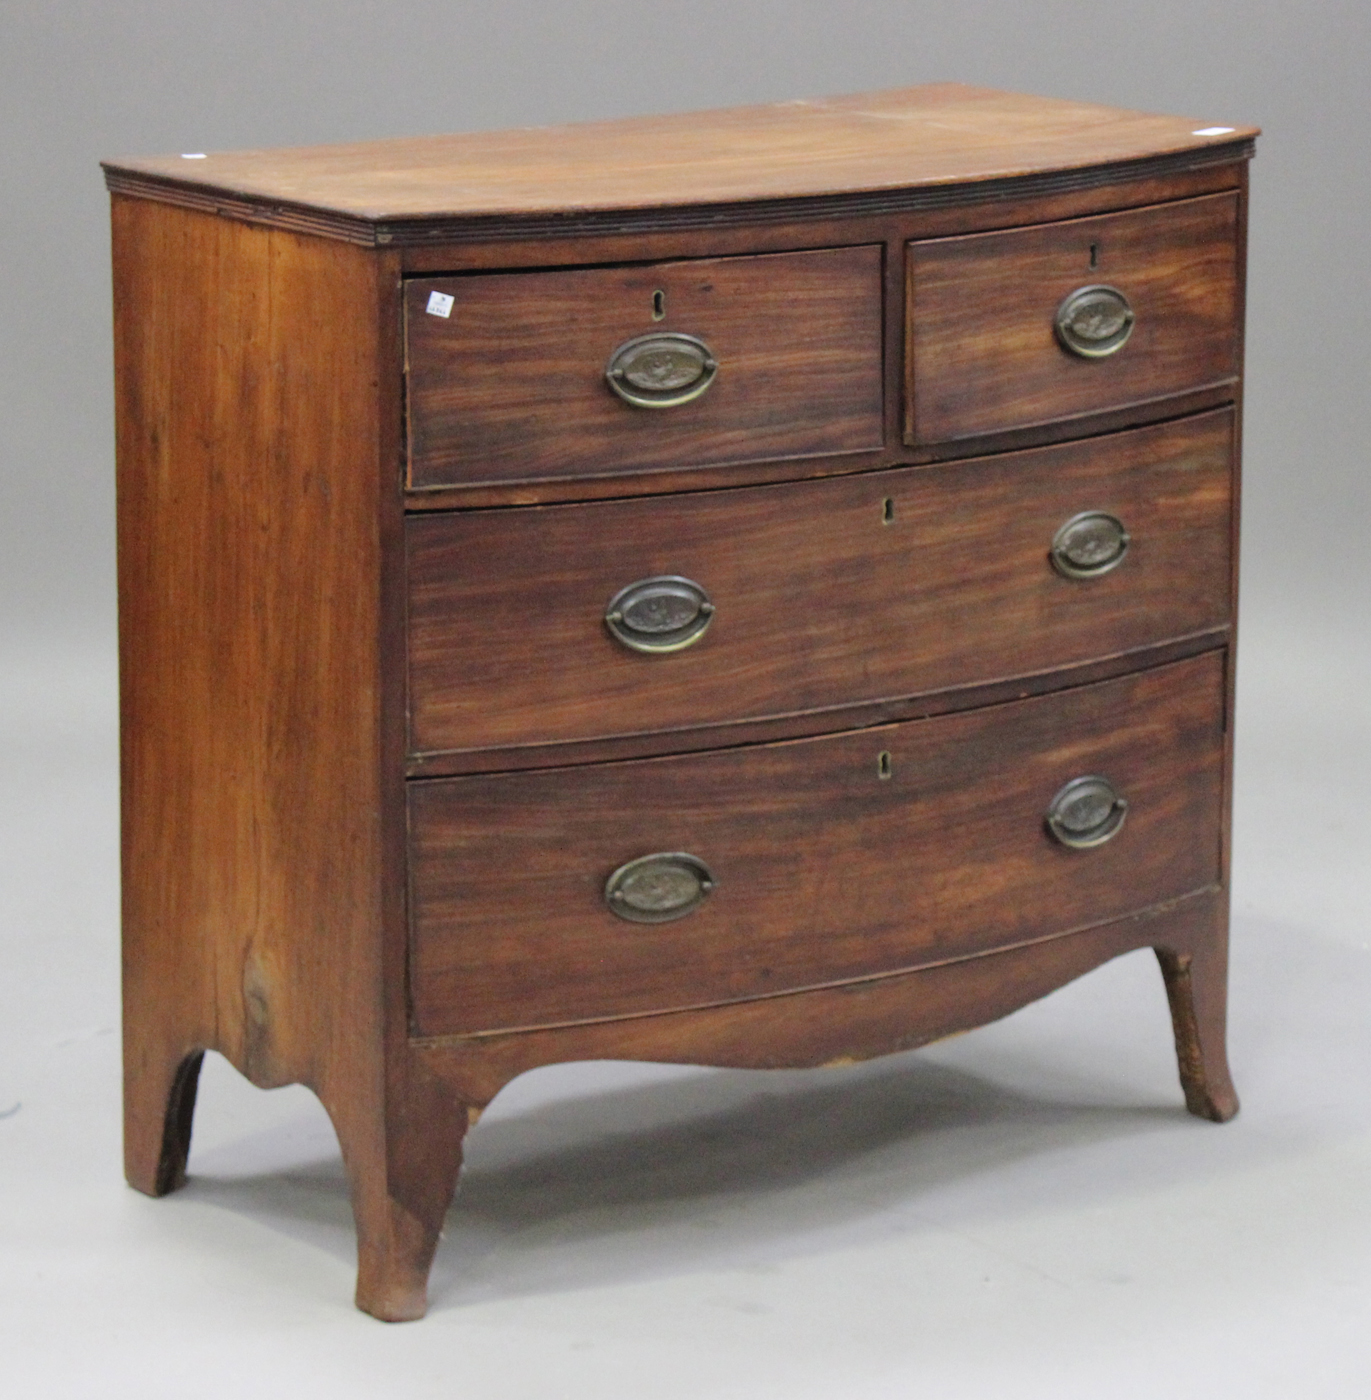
x=753, y=588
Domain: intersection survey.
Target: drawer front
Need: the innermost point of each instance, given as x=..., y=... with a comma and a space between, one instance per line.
x=830, y=859
x=513, y=383
x=824, y=593
x=983, y=350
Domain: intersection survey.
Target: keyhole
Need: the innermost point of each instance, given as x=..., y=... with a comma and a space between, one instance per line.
x=1094, y=256
x=887, y=511
x=883, y=765
x=659, y=303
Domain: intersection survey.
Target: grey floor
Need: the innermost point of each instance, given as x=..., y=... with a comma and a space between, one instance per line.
x=1024, y=1211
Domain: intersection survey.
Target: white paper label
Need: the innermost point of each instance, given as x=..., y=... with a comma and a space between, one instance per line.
x=1213, y=131
x=439, y=304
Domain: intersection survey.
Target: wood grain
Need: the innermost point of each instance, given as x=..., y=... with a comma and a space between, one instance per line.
x=979, y=209
x=516, y=757
x=256, y=600
x=860, y=1020
x=248, y=564
x=511, y=386
x=997, y=210
x=934, y=140
x=821, y=600
x=825, y=871
x=982, y=356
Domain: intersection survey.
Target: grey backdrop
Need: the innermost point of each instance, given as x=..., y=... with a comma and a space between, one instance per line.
x=1023, y=1212
x=87, y=78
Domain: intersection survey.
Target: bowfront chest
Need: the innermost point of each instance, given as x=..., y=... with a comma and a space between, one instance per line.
x=750, y=588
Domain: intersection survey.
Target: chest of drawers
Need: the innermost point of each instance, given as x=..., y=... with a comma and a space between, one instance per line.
x=753, y=588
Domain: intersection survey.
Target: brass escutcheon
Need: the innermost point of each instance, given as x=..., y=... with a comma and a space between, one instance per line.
x=1094, y=321
x=661, y=370
x=660, y=614
x=658, y=888
x=1086, y=813
x=1089, y=544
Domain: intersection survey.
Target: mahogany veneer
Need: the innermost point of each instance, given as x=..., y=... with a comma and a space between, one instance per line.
x=826, y=871
x=427, y=448
x=907, y=581
x=799, y=332
x=982, y=356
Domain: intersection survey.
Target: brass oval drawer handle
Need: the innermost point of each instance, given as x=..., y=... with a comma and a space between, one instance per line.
x=1094, y=321
x=662, y=370
x=659, y=614
x=1087, y=812
x=658, y=888
x=1089, y=544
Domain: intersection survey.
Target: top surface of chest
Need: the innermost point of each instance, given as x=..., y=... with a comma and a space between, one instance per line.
x=935, y=139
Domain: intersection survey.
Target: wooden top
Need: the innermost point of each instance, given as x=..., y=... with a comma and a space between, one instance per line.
x=929, y=142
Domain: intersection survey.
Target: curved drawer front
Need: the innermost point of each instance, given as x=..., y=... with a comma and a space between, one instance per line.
x=602, y=371
x=1032, y=325
x=758, y=871
x=780, y=599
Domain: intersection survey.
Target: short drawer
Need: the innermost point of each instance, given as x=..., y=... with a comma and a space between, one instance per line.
x=1033, y=325
x=595, y=372
x=824, y=593
x=826, y=860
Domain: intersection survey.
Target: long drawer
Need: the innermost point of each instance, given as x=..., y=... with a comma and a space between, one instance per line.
x=596, y=372
x=823, y=593
x=616, y=889
x=1058, y=321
